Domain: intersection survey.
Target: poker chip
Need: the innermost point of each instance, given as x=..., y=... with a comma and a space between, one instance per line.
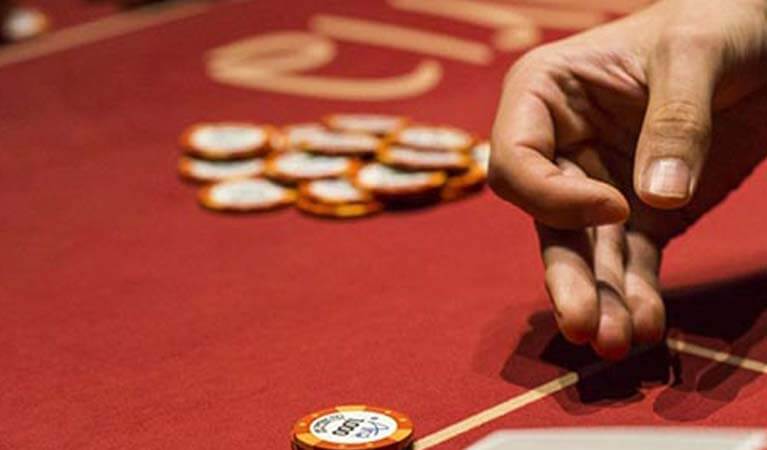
x=337, y=198
x=473, y=179
x=334, y=191
x=465, y=183
x=292, y=167
x=378, y=124
x=251, y=194
x=226, y=140
x=327, y=169
x=338, y=211
x=385, y=181
x=480, y=153
x=437, y=138
x=353, y=427
x=207, y=171
x=288, y=137
x=24, y=23
x=407, y=158
x=339, y=143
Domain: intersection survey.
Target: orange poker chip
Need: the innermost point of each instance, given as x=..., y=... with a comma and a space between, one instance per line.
x=287, y=137
x=353, y=427
x=336, y=198
x=338, y=210
x=463, y=184
x=227, y=140
x=377, y=124
x=334, y=191
x=473, y=179
x=385, y=181
x=247, y=194
x=407, y=158
x=480, y=153
x=23, y=23
x=335, y=143
x=293, y=167
x=436, y=138
x=201, y=170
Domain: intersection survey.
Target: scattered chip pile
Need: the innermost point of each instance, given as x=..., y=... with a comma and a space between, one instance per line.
x=350, y=165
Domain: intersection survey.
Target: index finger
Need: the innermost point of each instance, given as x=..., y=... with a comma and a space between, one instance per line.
x=522, y=170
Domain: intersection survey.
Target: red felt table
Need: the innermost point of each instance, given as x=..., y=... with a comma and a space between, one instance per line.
x=132, y=318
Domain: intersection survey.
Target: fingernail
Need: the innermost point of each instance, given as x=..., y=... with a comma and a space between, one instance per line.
x=667, y=177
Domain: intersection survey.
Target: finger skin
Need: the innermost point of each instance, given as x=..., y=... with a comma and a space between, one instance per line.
x=676, y=133
x=567, y=257
x=570, y=282
x=613, y=339
x=642, y=293
x=522, y=170
x=526, y=179
x=613, y=336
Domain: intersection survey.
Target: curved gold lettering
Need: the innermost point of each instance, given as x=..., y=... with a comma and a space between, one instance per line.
x=431, y=43
x=500, y=15
x=271, y=62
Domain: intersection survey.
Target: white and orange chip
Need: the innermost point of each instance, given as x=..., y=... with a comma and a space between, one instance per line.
x=353, y=427
x=334, y=191
x=480, y=153
x=407, y=158
x=292, y=167
x=387, y=181
x=23, y=23
x=247, y=194
x=338, y=143
x=436, y=138
x=287, y=137
x=338, y=210
x=377, y=124
x=464, y=184
x=207, y=171
x=337, y=198
x=227, y=140
x=472, y=180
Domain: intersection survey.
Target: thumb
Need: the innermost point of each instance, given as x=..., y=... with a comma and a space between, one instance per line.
x=676, y=132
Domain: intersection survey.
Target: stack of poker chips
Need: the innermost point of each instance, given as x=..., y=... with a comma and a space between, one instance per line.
x=348, y=165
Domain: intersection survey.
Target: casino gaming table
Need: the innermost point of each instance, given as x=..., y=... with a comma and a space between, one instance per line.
x=132, y=318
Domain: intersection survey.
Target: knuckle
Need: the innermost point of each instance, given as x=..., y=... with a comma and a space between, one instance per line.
x=679, y=119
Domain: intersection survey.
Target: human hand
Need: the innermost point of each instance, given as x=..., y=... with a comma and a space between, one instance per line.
x=605, y=138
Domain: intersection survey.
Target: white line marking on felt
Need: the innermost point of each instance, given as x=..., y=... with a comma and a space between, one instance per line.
x=497, y=411
x=570, y=379
x=716, y=355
